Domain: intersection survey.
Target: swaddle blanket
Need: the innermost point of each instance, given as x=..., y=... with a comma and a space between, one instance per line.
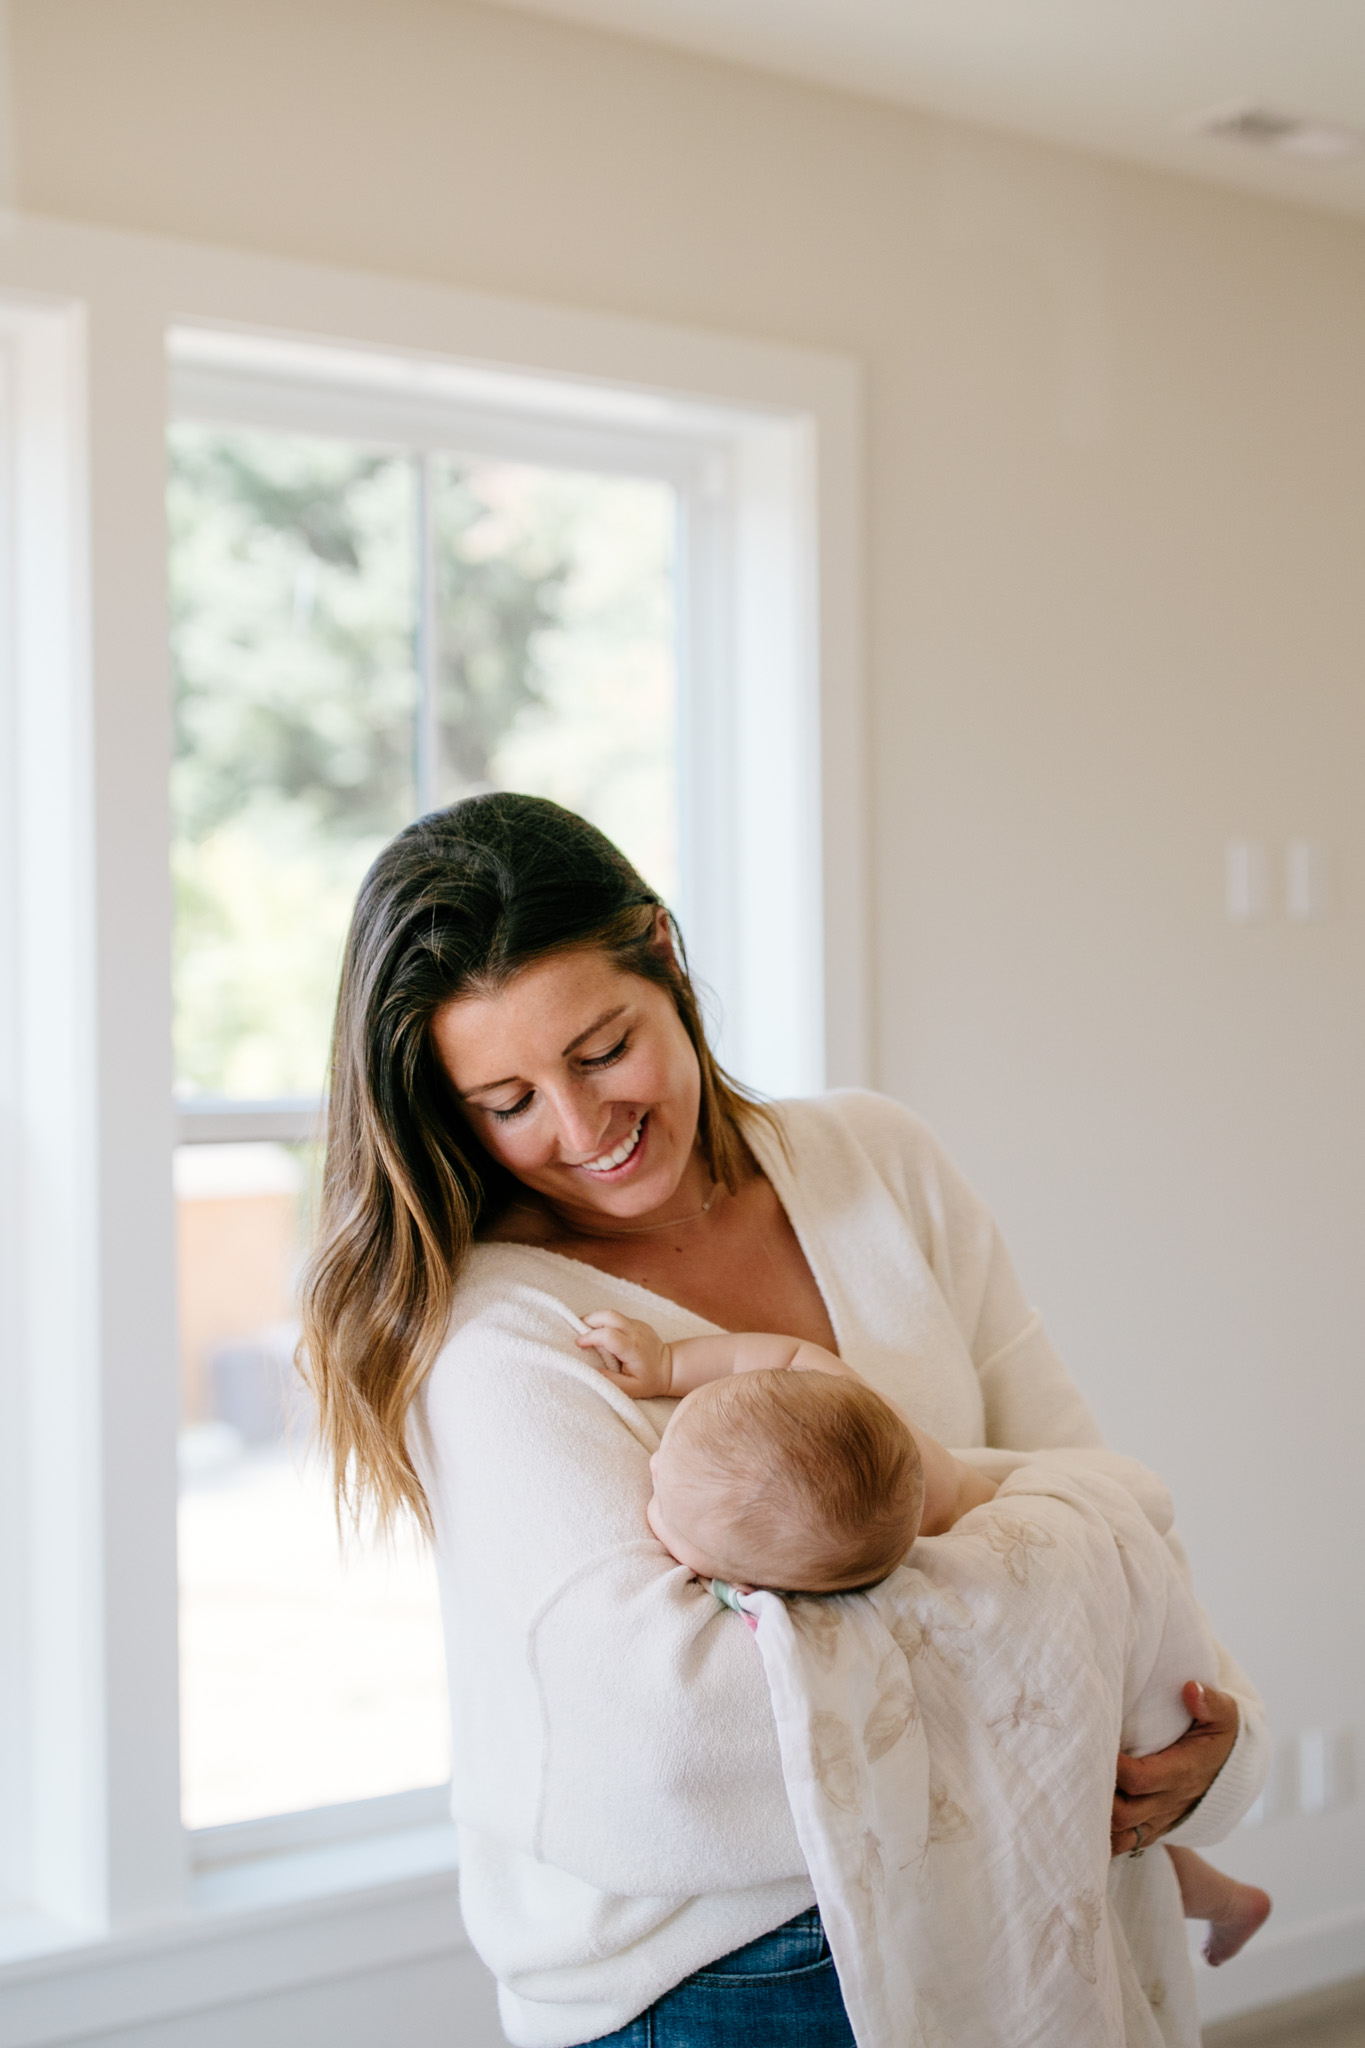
x=948, y=1742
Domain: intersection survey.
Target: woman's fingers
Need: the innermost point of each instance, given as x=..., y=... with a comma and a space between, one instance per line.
x=1136, y=1775
x=1156, y=1792
x=1210, y=1709
x=1155, y=1817
x=1191, y=1764
x=1150, y=1814
x=1128, y=1812
x=1122, y=1840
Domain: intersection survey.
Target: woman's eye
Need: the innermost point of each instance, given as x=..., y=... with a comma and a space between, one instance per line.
x=503, y=1116
x=607, y=1059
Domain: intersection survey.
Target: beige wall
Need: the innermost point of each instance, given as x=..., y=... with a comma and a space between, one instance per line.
x=1117, y=524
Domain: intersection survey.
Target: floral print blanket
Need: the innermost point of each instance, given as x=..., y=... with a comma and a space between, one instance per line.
x=948, y=1742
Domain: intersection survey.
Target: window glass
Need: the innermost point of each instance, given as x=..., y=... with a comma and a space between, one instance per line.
x=302, y=570
x=292, y=591
x=308, y=1675
x=554, y=646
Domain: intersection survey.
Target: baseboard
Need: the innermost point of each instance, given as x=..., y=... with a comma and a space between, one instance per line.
x=1285, y=1963
x=1296, y=2021
x=392, y=1963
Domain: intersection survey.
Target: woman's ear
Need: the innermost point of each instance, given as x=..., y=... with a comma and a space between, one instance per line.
x=662, y=937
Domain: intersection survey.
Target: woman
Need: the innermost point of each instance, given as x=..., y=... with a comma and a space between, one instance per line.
x=525, y=1116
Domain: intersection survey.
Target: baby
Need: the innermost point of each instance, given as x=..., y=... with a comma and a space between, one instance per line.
x=780, y=1467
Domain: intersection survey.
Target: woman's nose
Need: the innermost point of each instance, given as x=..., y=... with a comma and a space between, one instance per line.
x=582, y=1123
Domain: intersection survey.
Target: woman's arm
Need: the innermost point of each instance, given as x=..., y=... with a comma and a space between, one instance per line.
x=1157, y=1793
x=1197, y=1799
x=609, y=1716
x=1214, y=1774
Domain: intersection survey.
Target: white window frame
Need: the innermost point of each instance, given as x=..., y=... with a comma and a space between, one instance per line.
x=747, y=621
x=96, y=1864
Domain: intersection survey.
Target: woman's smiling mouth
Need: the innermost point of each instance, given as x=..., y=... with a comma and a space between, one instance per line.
x=608, y=1162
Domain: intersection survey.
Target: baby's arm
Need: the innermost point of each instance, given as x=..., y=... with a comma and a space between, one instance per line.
x=648, y=1368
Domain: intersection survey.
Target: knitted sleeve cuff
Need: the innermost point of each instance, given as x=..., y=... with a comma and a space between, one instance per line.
x=1236, y=1788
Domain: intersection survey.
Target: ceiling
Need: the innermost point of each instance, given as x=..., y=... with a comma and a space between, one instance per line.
x=1124, y=77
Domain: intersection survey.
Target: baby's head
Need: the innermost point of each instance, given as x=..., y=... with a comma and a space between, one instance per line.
x=796, y=1480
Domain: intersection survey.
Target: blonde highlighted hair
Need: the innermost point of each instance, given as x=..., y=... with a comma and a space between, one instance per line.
x=456, y=905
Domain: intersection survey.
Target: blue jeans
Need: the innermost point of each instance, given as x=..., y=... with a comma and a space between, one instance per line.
x=780, y=1988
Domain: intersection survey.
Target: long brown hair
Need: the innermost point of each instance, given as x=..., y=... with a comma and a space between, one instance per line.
x=455, y=905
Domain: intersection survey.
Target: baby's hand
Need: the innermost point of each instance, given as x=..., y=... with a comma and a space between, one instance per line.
x=633, y=1354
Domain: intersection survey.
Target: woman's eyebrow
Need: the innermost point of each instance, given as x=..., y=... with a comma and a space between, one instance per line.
x=607, y=1017
x=484, y=1086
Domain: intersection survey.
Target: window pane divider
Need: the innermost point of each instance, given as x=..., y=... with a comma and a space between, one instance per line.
x=223, y=1120
x=428, y=649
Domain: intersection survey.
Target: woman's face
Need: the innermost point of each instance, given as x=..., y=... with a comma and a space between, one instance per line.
x=581, y=1080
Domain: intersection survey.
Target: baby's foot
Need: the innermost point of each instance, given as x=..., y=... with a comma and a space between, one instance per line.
x=1246, y=1908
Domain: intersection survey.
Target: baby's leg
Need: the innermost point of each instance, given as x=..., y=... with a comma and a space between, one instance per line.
x=1234, y=1911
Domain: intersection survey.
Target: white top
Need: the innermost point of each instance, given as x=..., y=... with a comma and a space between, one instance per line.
x=616, y=1777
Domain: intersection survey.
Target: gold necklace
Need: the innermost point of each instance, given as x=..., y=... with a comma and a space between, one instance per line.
x=628, y=1229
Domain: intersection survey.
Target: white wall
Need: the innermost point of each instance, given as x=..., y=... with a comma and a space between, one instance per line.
x=1117, y=505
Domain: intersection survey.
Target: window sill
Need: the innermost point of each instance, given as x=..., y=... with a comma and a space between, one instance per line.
x=404, y=1856
x=252, y=1928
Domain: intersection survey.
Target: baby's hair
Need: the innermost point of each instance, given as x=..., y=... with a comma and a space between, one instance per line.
x=823, y=1483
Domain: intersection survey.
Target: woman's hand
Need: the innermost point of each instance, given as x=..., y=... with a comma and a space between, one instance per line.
x=631, y=1352
x=1156, y=1792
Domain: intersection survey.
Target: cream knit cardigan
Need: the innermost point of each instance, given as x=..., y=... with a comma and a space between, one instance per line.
x=616, y=1778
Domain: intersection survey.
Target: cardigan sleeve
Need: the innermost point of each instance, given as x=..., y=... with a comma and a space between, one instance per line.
x=609, y=1716
x=1239, y=1784
x=1030, y=1400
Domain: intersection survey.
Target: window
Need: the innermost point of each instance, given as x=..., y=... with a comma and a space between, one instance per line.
x=96, y=1380
x=48, y=1457
x=358, y=632
x=729, y=492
